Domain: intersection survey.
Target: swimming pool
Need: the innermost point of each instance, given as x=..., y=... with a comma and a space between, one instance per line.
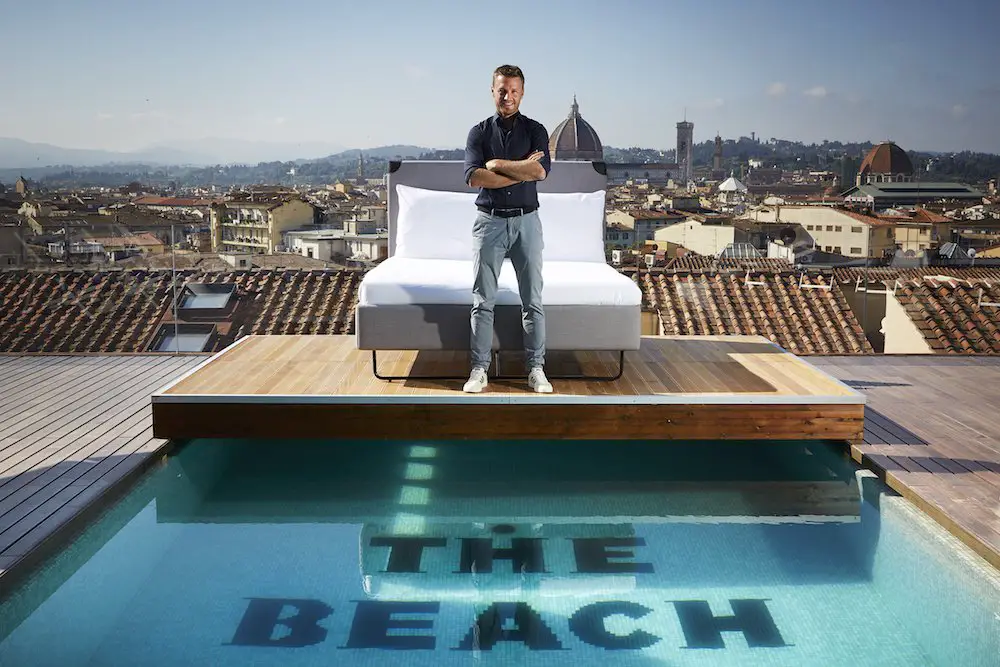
x=547, y=553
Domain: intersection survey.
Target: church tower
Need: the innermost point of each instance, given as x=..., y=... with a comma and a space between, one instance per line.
x=717, y=156
x=685, y=137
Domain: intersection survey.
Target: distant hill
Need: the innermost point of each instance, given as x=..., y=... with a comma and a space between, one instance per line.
x=384, y=152
x=20, y=154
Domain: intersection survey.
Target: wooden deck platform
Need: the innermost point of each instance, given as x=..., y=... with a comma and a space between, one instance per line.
x=74, y=431
x=931, y=432
x=682, y=387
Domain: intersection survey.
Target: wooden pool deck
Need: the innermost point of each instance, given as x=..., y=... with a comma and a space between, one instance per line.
x=932, y=431
x=76, y=431
x=673, y=387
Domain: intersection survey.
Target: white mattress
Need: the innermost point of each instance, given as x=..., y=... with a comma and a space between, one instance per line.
x=400, y=281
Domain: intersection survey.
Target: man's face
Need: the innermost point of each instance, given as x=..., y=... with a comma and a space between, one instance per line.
x=507, y=93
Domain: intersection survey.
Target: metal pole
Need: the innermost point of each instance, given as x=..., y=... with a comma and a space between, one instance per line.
x=173, y=281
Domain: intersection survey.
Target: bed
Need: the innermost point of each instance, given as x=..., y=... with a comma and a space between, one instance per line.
x=420, y=297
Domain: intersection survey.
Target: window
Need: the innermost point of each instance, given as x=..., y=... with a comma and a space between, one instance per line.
x=828, y=248
x=856, y=230
x=837, y=250
x=855, y=251
x=183, y=338
x=829, y=228
x=809, y=228
x=206, y=296
x=838, y=228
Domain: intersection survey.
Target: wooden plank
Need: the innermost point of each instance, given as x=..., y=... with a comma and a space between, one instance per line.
x=373, y=420
x=84, y=464
x=84, y=419
x=15, y=371
x=24, y=419
x=294, y=364
x=70, y=411
x=63, y=468
x=35, y=376
x=46, y=391
x=946, y=456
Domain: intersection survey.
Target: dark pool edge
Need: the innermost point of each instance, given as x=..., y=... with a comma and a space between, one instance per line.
x=77, y=523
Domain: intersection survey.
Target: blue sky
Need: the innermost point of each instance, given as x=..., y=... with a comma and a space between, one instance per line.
x=125, y=75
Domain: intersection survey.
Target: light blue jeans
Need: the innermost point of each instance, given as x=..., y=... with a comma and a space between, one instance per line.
x=493, y=239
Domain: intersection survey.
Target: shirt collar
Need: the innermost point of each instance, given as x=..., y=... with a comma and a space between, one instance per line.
x=498, y=120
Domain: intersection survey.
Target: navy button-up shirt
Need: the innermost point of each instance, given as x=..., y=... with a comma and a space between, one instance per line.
x=489, y=140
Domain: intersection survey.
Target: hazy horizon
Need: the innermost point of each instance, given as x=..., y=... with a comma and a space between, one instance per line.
x=129, y=77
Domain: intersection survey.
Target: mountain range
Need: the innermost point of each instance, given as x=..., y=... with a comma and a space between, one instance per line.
x=20, y=154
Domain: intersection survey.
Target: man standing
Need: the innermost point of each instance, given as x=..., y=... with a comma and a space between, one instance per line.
x=504, y=156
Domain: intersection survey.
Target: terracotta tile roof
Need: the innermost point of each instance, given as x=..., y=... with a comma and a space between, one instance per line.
x=142, y=239
x=640, y=214
x=709, y=262
x=867, y=219
x=81, y=311
x=921, y=215
x=890, y=273
x=802, y=321
x=301, y=302
x=947, y=314
x=173, y=201
x=119, y=311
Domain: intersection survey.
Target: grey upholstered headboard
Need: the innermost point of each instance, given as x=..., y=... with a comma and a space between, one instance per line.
x=449, y=175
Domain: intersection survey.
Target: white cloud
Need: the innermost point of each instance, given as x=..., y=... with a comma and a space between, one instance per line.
x=105, y=116
x=777, y=89
x=280, y=120
x=716, y=103
x=815, y=91
x=959, y=111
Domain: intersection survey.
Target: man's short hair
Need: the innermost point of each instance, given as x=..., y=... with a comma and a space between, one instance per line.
x=509, y=71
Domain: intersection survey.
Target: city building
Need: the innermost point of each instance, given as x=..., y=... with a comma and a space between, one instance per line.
x=653, y=173
x=878, y=196
x=644, y=223
x=338, y=245
x=732, y=196
x=12, y=247
x=836, y=231
x=717, y=155
x=704, y=238
x=245, y=226
x=685, y=143
x=618, y=236
x=885, y=163
x=575, y=139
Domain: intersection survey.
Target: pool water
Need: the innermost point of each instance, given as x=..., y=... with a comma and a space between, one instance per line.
x=475, y=553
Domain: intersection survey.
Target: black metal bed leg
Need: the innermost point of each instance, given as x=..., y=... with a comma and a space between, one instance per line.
x=409, y=377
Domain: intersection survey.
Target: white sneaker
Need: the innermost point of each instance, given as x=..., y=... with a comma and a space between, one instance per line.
x=477, y=381
x=538, y=382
